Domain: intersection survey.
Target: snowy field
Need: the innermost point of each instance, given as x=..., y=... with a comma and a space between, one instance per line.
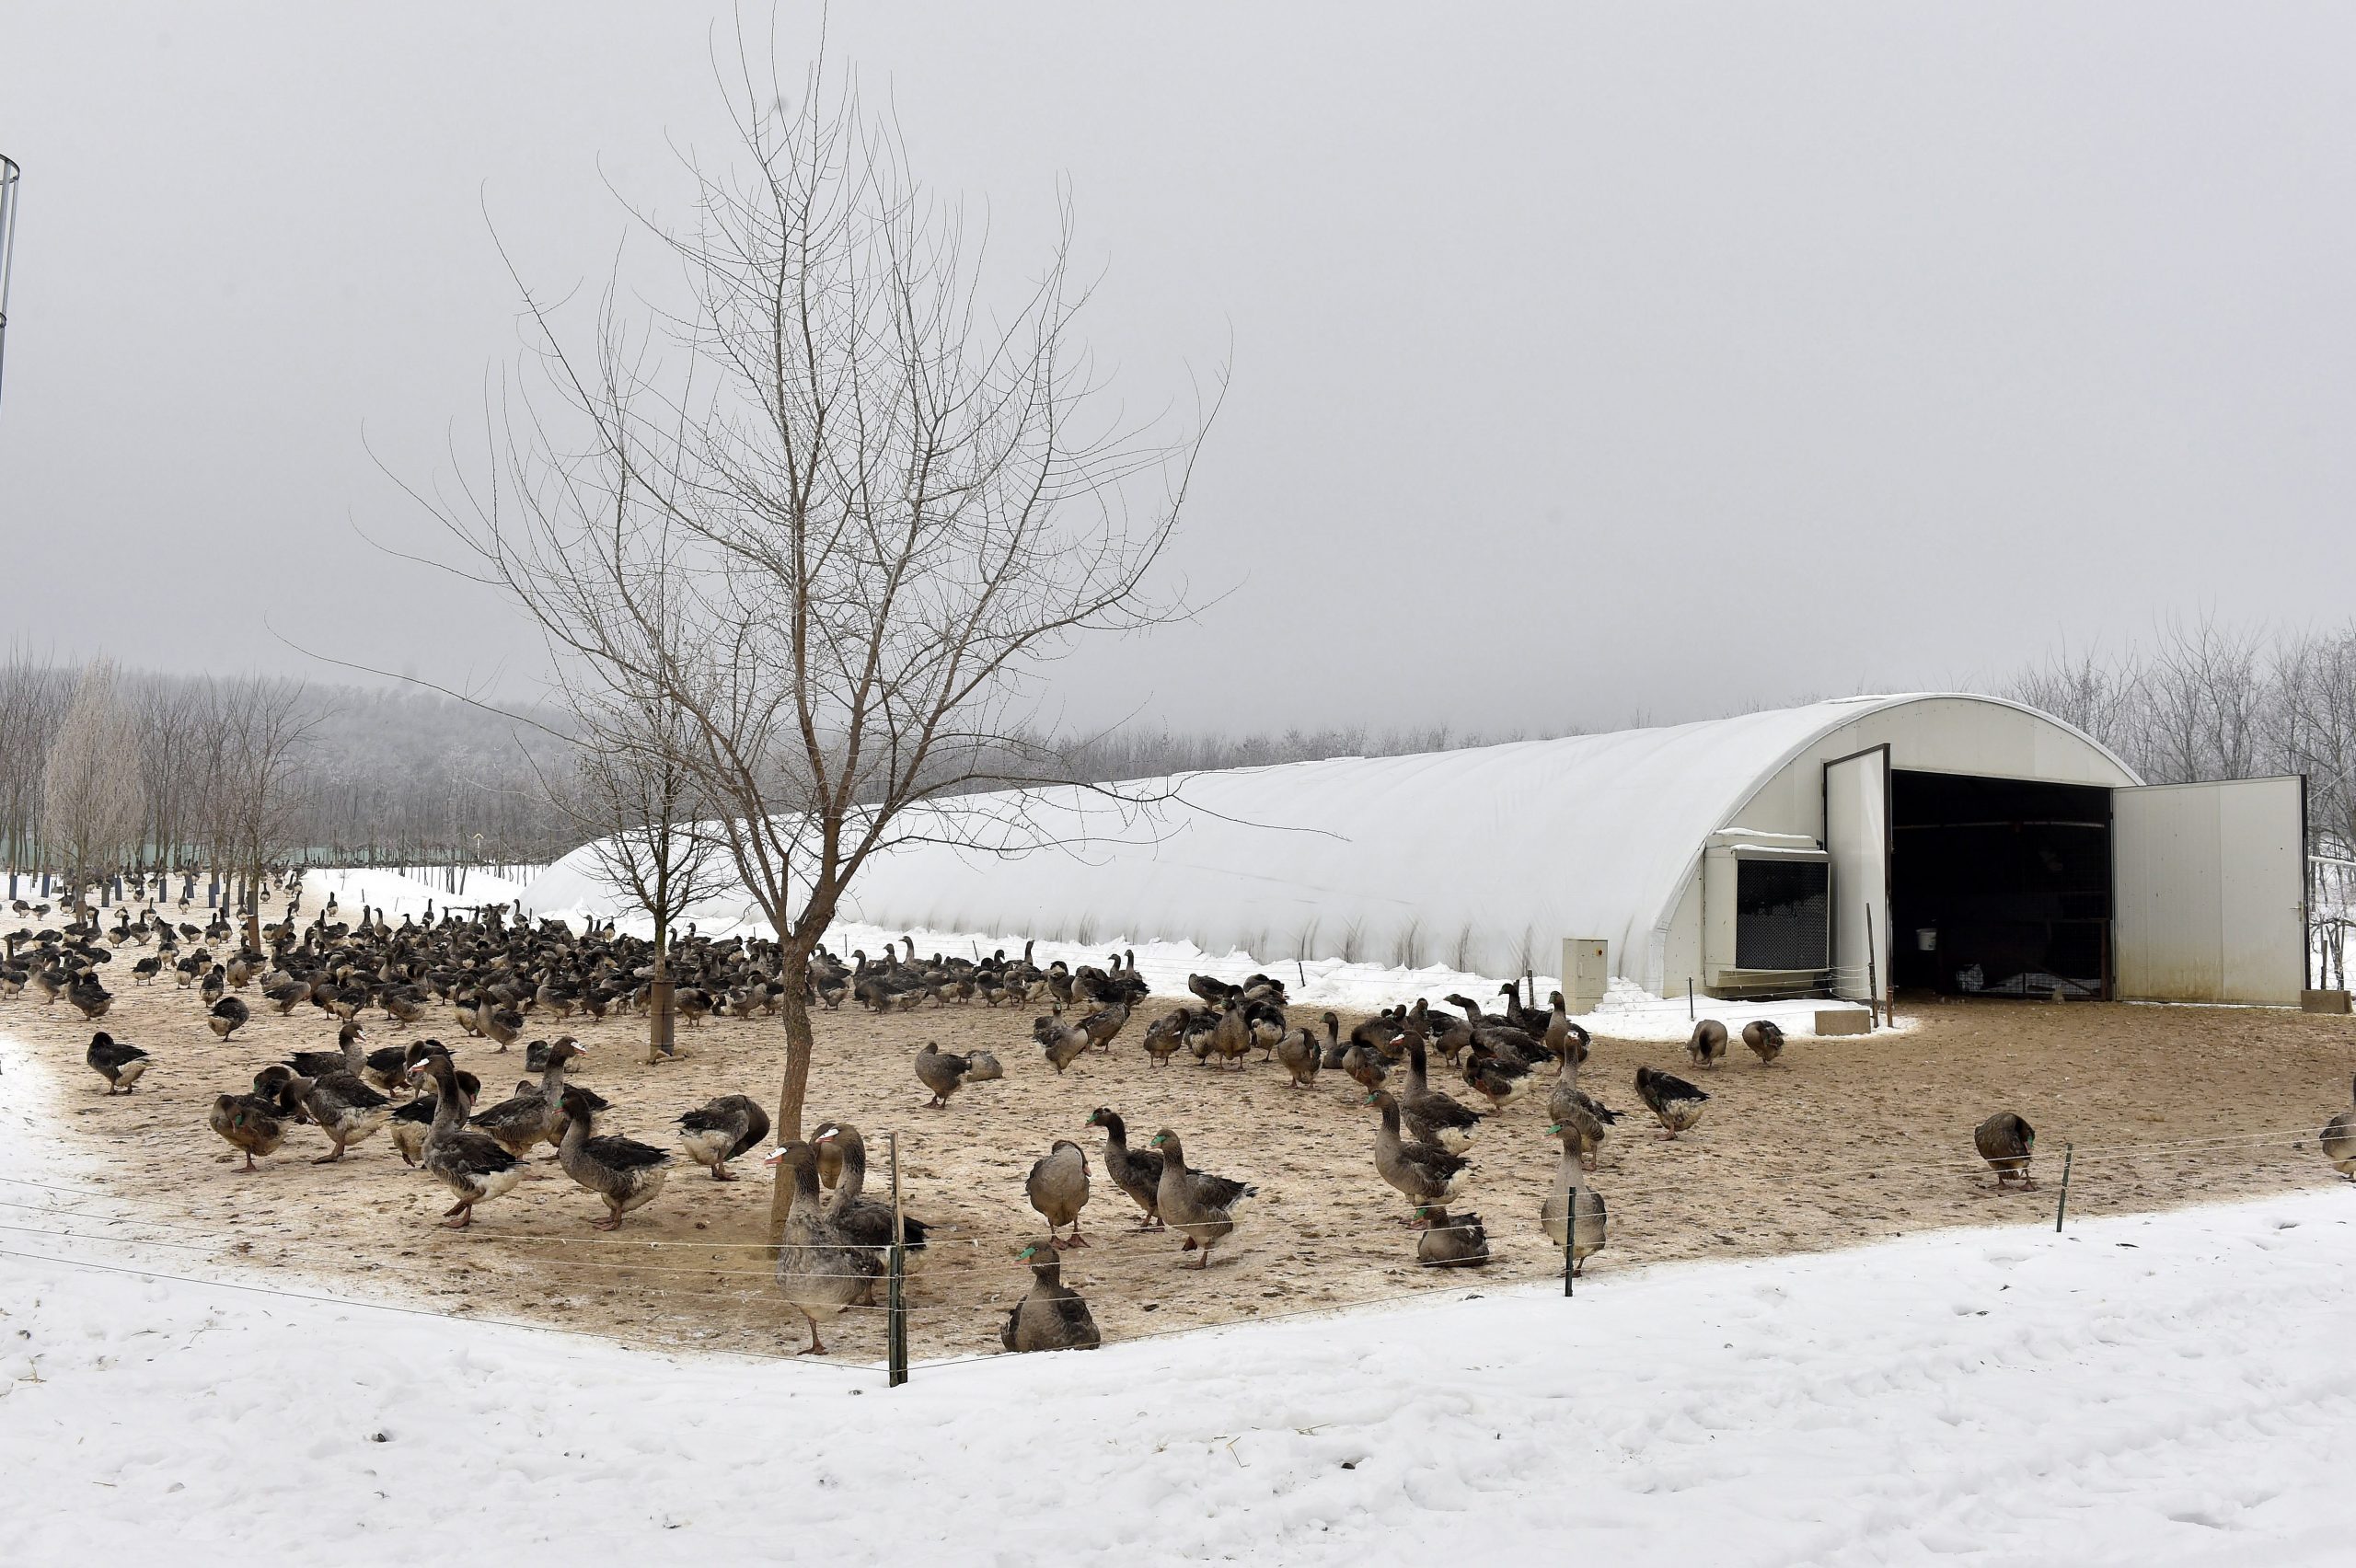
x=2157, y=1389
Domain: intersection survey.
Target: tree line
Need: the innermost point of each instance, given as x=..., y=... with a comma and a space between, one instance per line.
x=105, y=769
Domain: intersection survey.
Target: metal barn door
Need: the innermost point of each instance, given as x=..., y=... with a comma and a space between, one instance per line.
x=2209, y=890
x=1856, y=833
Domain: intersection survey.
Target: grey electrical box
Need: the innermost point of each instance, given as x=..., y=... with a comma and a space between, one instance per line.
x=1587, y=972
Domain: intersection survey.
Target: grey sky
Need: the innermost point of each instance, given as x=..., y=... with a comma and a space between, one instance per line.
x=1587, y=360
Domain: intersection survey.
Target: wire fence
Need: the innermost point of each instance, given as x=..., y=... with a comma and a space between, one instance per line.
x=74, y=1226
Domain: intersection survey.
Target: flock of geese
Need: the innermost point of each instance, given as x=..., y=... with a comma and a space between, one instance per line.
x=493, y=978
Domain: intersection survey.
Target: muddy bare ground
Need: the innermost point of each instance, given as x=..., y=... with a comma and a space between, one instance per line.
x=1846, y=1141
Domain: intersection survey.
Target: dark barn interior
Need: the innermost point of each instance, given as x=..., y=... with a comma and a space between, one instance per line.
x=1999, y=886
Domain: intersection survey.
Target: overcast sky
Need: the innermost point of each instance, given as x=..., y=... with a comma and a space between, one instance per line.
x=1588, y=361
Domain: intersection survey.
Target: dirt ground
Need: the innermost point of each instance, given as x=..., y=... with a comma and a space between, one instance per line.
x=1845, y=1141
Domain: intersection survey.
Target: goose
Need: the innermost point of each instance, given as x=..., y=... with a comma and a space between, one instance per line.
x=411, y=1125
x=1330, y=1058
x=943, y=1073
x=1105, y=1023
x=1364, y=1064
x=1423, y=1173
x=721, y=1130
x=1498, y=1080
x=1441, y=1032
x=502, y=1024
x=1058, y=1188
x=1765, y=1039
x=982, y=1067
x=1231, y=1035
x=1052, y=1315
x=819, y=1268
x=2340, y=1143
x=1063, y=1043
x=1707, y=1046
x=1560, y=1034
x=119, y=1063
x=344, y=1105
x=1298, y=1054
x=531, y=1115
x=863, y=1220
x=227, y=1016
x=255, y=1122
x=1677, y=1103
x=1457, y=1242
x=2006, y=1143
x=312, y=1063
x=1136, y=1172
x=554, y=1071
x=624, y=1172
x=1196, y=1204
x=472, y=1164
x=1588, y=1118
x=1587, y=1236
x=88, y=997
x=1432, y=1115
x=1166, y=1035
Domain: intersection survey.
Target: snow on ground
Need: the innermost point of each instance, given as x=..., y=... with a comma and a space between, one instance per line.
x=2159, y=1389
x=398, y=892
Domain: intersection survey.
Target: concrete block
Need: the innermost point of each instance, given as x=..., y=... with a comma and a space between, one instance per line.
x=1844, y=1020
x=2323, y=1001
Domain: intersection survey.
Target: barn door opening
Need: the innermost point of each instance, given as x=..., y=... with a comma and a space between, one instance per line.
x=2210, y=890
x=1856, y=835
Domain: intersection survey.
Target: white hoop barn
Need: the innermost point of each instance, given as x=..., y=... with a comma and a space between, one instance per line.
x=1951, y=842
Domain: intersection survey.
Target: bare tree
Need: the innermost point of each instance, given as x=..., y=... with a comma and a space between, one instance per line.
x=2099, y=695
x=92, y=805
x=263, y=726
x=170, y=754
x=33, y=699
x=635, y=795
x=845, y=537
x=2205, y=700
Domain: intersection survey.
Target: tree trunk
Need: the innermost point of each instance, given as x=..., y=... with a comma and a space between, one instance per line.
x=659, y=994
x=794, y=973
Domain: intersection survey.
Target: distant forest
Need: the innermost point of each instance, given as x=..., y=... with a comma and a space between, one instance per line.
x=410, y=777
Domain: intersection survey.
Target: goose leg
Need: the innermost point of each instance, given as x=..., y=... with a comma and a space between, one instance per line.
x=814, y=1348
x=329, y=1159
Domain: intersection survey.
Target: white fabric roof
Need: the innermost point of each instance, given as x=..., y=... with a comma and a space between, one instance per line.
x=1482, y=859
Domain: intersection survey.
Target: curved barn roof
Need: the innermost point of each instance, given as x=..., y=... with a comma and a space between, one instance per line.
x=1481, y=858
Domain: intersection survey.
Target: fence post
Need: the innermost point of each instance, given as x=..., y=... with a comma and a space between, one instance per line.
x=1872, y=978
x=895, y=1312
x=1571, y=1236
x=2062, y=1203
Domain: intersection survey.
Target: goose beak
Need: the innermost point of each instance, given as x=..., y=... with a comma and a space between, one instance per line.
x=775, y=1155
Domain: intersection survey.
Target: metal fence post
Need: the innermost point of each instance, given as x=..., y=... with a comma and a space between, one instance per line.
x=2062, y=1204
x=896, y=1311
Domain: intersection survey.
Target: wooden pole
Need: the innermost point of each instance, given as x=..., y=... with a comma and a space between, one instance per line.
x=2062, y=1203
x=895, y=1314
x=1873, y=978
